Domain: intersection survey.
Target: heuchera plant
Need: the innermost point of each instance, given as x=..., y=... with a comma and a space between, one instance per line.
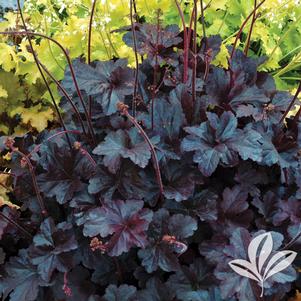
x=159, y=176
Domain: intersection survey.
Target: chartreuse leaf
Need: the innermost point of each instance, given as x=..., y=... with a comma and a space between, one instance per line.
x=15, y=93
x=51, y=55
x=4, y=189
x=7, y=57
x=221, y=57
x=47, y=100
x=36, y=116
x=3, y=92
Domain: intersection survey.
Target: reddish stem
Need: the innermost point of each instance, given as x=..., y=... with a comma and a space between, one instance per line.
x=80, y=148
x=90, y=31
x=153, y=87
x=34, y=180
x=292, y=103
x=194, y=52
x=202, y=17
x=251, y=29
x=207, y=5
x=135, y=11
x=293, y=240
x=66, y=95
x=70, y=66
x=6, y=187
x=186, y=42
x=67, y=290
x=207, y=58
x=88, y=156
x=191, y=23
x=161, y=83
x=41, y=72
x=37, y=147
x=132, y=4
x=89, y=48
x=8, y=219
x=124, y=110
x=242, y=27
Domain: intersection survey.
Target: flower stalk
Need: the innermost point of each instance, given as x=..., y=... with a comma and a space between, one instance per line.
x=242, y=28
x=123, y=109
x=12, y=222
x=89, y=47
x=41, y=72
x=29, y=33
x=25, y=161
x=134, y=101
x=186, y=42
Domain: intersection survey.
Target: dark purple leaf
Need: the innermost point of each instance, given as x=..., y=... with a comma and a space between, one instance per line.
x=274, y=110
x=168, y=117
x=217, y=86
x=156, y=291
x=5, y=226
x=22, y=281
x=190, y=284
x=123, y=144
x=103, y=182
x=288, y=209
x=161, y=253
x=233, y=284
x=204, y=205
x=51, y=248
x=234, y=210
x=108, y=81
x=210, y=46
x=140, y=184
x=185, y=99
x=122, y=293
x=127, y=222
x=249, y=178
x=219, y=140
x=243, y=69
x=64, y=172
x=78, y=281
x=267, y=207
x=181, y=182
x=152, y=42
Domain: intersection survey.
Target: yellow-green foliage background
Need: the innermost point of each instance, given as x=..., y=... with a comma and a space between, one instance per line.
x=24, y=102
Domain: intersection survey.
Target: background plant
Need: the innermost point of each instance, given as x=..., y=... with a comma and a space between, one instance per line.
x=276, y=33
